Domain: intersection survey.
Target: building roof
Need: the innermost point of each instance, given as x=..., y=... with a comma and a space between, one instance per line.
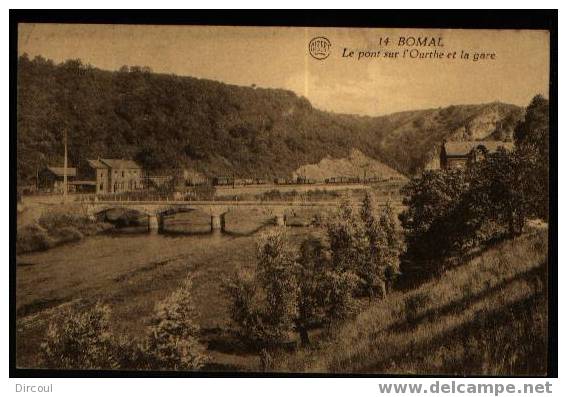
x=114, y=163
x=60, y=171
x=86, y=183
x=120, y=163
x=464, y=148
x=97, y=164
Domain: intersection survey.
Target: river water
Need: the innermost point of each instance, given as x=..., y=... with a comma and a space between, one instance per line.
x=132, y=272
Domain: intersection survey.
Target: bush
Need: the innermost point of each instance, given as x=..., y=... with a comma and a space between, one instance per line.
x=32, y=238
x=81, y=340
x=172, y=343
x=56, y=220
x=414, y=306
x=54, y=228
x=67, y=234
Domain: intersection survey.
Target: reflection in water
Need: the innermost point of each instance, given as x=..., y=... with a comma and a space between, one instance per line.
x=129, y=243
x=193, y=222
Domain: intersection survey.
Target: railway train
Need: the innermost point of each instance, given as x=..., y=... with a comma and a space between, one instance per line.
x=229, y=181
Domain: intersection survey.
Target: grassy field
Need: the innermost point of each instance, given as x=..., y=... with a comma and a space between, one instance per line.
x=485, y=317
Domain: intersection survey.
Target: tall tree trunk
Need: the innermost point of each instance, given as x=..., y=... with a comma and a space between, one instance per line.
x=521, y=222
x=304, y=335
x=511, y=228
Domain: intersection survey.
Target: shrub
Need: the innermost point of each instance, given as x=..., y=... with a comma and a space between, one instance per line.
x=67, y=234
x=172, y=343
x=56, y=220
x=32, y=238
x=81, y=340
x=414, y=305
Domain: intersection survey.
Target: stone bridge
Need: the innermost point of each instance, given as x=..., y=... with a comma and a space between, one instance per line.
x=156, y=210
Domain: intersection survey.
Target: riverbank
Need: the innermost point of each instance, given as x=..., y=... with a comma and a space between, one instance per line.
x=54, y=228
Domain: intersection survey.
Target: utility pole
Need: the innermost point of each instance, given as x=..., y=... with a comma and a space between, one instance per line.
x=65, y=167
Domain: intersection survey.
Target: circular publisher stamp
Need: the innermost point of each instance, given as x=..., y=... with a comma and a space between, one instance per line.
x=320, y=48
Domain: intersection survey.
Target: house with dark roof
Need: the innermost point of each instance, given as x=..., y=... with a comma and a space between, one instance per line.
x=462, y=154
x=50, y=179
x=116, y=175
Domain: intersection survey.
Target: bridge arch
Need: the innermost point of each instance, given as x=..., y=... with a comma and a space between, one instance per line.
x=216, y=215
x=123, y=209
x=156, y=211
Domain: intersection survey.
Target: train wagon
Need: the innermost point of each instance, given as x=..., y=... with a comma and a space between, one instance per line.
x=305, y=181
x=222, y=181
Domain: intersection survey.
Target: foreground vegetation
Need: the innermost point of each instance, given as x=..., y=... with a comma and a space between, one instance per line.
x=83, y=338
x=299, y=290
x=487, y=316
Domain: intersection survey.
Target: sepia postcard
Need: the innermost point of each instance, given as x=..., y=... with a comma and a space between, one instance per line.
x=283, y=199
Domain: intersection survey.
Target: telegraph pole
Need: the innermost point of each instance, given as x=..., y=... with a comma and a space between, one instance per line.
x=65, y=167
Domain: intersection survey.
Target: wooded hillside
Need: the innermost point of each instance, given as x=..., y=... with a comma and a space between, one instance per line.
x=166, y=121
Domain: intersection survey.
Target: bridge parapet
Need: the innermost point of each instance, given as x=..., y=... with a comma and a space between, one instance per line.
x=216, y=209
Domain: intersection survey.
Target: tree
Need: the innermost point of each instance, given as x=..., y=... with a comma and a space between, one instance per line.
x=532, y=142
x=451, y=212
x=534, y=130
x=172, y=343
x=390, y=245
x=313, y=265
x=346, y=238
x=264, y=302
x=289, y=292
x=276, y=273
x=381, y=265
x=433, y=221
x=502, y=190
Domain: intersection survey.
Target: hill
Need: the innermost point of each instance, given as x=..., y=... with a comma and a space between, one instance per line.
x=213, y=128
x=485, y=317
x=355, y=165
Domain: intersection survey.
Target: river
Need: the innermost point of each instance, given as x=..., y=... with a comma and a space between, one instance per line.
x=132, y=272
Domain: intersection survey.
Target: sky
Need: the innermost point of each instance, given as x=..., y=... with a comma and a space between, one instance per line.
x=279, y=57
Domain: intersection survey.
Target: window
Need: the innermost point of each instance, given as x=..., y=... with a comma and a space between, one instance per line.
x=122, y=174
